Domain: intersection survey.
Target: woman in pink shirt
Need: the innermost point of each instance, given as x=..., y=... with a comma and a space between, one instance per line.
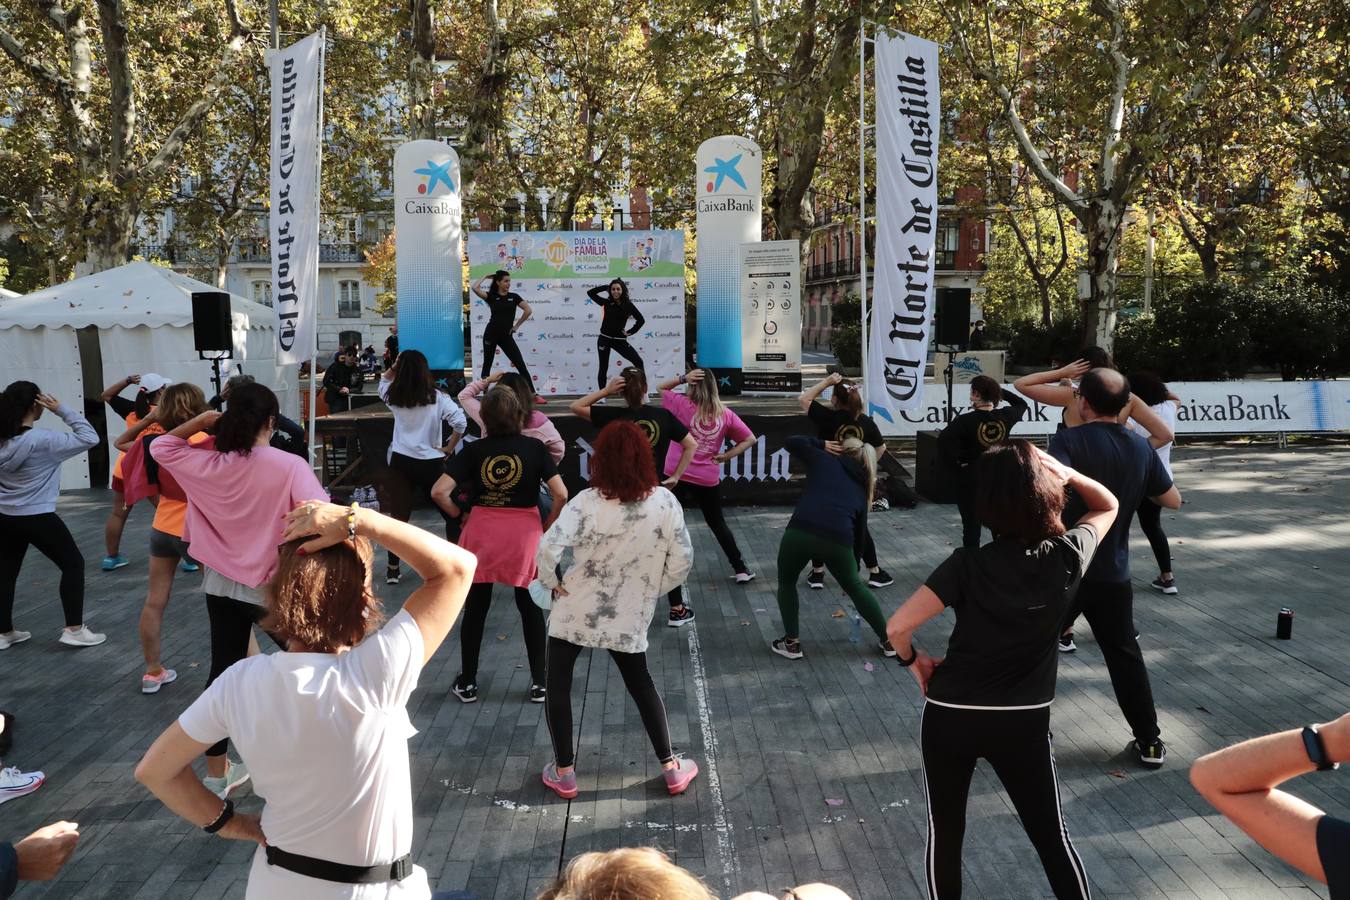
x=537, y=425
x=237, y=495
x=710, y=424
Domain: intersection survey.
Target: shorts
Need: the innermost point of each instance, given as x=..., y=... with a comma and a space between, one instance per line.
x=167, y=546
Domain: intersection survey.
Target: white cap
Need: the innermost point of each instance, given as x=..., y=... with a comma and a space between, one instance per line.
x=150, y=382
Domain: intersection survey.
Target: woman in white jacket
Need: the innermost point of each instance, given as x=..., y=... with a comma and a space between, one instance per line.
x=629, y=546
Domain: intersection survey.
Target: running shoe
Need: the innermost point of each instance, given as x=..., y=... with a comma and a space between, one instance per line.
x=745, y=577
x=1164, y=587
x=887, y=650
x=1151, y=755
x=150, y=684
x=537, y=693
x=880, y=578
x=114, y=562
x=565, y=786
x=467, y=693
x=1066, y=644
x=81, y=637
x=881, y=504
x=14, y=783
x=788, y=649
x=188, y=566
x=682, y=616
x=13, y=637
x=815, y=579
x=678, y=778
x=392, y=576
x=236, y=773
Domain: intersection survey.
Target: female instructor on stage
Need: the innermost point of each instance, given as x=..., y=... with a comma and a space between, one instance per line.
x=614, y=330
x=501, y=330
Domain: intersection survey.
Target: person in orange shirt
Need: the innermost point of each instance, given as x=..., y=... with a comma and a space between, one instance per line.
x=149, y=387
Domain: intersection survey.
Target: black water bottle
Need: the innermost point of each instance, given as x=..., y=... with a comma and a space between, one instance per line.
x=1284, y=626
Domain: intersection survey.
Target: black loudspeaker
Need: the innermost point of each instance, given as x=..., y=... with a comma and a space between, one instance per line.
x=211, y=321
x=953, y=317
x=933, y=476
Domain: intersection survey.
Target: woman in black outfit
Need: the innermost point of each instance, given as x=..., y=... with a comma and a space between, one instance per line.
x=990, y=697
x=614, y=330
x=502, y=324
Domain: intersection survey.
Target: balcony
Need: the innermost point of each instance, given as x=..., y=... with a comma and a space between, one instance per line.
x=257, y=251
x=834, y=269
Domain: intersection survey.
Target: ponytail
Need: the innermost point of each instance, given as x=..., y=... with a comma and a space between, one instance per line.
x=867, y=455
x=15, y=402
x=634, y=385
x=251, y=408
x=847, y=397
x=145, y=401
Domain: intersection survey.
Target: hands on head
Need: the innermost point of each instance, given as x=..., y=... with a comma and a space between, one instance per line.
x=324, y=523
x=615, y=385
x=835, y=448
x=48, y=402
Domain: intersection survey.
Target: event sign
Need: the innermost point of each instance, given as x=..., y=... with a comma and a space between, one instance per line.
x=294, y=222
x=552, y=270
x=771, y=316
x=908, y=124
x=728, y=204
x=429, y=269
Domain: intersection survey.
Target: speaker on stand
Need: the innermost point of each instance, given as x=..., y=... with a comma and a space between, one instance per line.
x=952, y=332
x=211, y=330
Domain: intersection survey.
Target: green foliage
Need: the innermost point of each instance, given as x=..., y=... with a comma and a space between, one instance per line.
x=1035, y=345
x=1010, y=290
x=1299, y=328
x=846, y=335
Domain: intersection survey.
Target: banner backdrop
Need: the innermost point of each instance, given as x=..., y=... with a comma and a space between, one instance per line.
x=552, y=271
x=728, y=173
x=908, y=124
x=430, y=271
x=771, y=316
x=294, y=220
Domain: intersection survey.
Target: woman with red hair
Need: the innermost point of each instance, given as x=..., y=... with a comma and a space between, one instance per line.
x=629, y=546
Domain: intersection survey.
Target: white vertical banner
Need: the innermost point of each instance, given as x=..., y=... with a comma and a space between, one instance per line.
x=771, y=317
x=296, y=95
x=908, y=122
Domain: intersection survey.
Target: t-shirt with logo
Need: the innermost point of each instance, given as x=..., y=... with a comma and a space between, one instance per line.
x=501, y=313
x=502, y=472
x=837, y=425
x=974, y=432
x=1010, y=600
x=710, y=437
x=659, y=425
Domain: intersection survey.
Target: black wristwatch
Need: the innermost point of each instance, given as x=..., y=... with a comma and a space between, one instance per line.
x=913, y=655
x=1317, y=751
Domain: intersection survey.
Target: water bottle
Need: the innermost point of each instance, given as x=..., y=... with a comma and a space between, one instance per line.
x=1284, y=624
x=855, y=630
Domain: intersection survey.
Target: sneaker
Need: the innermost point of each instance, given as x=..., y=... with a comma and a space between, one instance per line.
x=1152, y=754
x=114, y=562
x=880, y=578
x=1164, y=587
x=14, y=637
x=815, y=579
x=887, y=650
x=189, y=566
x=81, y=637
x=682, y=616
x=745, y=577
x=392, y=576
x=881, y=504
x=14, y=783
x=1066, y=644
x=235, y=775
x=565, y=786
x=150, y=684
x=537, y=693
x=678, y=778
x=467, y=693
x=788, y=649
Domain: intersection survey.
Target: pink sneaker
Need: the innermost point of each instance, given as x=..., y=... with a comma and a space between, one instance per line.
x=150, y=684
x=565, y=786
x=678, y=778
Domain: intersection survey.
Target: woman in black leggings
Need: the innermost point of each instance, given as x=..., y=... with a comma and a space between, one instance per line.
x=1151, y=389
x=989, y=698
x=614, y=331
x=502, y=325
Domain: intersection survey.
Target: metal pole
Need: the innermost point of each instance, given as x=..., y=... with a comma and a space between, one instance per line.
x=318, y=184
x=272, y=22
x=1148, y=262
x=862, y=190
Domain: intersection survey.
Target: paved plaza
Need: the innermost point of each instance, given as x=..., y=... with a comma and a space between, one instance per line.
x=811, y=770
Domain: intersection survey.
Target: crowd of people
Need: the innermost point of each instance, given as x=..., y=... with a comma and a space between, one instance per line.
x=321, y=728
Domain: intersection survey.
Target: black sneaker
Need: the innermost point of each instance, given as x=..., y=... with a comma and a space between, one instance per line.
x=1152, y=754
x=787, y=648
x=682, y=616
x=1066, y=644
x=537, y=693
x=880, y=578
x=467, y=693
x=392, y=576
x=1164, y=587
x=887, y=650
x=815, y=579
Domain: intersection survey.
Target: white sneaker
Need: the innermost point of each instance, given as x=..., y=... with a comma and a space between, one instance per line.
x=235, y=775
x=14, y=637
x=81, y=637
x=744, y=577
x=150, y=684
x=14, y=783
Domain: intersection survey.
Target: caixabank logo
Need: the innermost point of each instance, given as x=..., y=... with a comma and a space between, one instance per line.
x=428, y=182
x=728, y=172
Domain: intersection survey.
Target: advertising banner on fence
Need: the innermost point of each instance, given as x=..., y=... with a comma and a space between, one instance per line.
x=727, y=188
x=552, y=271
x=771, y=317
x=294, y=222
x=908, y=124
x=430, y=271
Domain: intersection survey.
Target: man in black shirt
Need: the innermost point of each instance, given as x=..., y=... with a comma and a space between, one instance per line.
x=340, y=381
x=1106, y=451
x=969, y=435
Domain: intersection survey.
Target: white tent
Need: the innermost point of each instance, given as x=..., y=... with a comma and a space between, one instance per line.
x=6, y=293
x=77, y=337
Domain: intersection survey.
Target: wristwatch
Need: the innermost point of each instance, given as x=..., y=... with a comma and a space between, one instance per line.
x=1317, y=751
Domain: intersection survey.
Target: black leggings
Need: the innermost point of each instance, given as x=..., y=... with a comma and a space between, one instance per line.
x=475, y=620
x=604, y=344
x=507, y=343
x=409, y=476
x=562, y=658
x=232, y=622
x=1150, y=520
x=965, y=502
x=1017, y=744
x=708, y=498
x=52, y=538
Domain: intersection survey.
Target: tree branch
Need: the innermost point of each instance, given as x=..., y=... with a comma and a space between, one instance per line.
x=1114, y=17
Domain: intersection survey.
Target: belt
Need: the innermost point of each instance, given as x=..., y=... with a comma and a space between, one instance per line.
x=325, y=870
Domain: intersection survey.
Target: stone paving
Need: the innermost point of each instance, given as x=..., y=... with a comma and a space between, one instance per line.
x=810, y=769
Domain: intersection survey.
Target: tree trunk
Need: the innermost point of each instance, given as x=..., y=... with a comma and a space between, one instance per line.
x=108, y=242
x=484, y=112
x=1043, y=287
x=422, y=74
x=1209, y=260
x=1104, y=225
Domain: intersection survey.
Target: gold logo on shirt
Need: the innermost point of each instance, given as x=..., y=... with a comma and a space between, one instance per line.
x=650, y=429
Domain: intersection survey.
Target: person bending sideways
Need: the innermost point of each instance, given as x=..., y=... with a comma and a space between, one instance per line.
x=1243, y=781
x=323, y=726
x=989, y=697
x=628, y=546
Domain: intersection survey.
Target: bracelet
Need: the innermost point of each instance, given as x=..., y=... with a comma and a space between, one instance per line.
x=913, y=655
x=351, y=521
x=226, y=813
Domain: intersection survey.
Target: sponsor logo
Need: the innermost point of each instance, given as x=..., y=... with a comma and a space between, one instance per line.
x=723, y=169
x=432, y=175
x=969, y=364
x=726, y=204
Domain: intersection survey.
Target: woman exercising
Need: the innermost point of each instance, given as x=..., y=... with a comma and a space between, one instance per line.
x=614, y=330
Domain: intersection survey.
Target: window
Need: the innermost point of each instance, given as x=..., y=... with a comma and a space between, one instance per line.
x=349, y=300
x=262, y=292
x=347, y=229
x=348, y=339
x=948, y=240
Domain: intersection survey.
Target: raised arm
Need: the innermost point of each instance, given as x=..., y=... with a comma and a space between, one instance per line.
x=113, y=390
x=477, y=287
x=582, y=407
x=1015, y=404
x=1159, y=435
x=599, y=294
x=201, y=422
x=127, y=439
x=1102, y=506
x=808, y=396
x=1045, y=387
x=82, y=435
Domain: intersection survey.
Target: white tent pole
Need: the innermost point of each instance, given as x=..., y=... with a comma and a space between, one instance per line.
x=318, y=185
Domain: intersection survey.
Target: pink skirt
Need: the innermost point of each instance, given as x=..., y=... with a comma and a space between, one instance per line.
x=505, y=541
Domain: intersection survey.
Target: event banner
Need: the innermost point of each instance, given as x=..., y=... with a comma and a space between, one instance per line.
x=727, y=188
x=297, y=91
x=771, y=317
x=908, y=123
x=552, y=270
x=429, y=269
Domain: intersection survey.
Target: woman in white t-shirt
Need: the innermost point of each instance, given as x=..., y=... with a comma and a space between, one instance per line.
x=1152, y=391
x=416, y=454
x=323, y=726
